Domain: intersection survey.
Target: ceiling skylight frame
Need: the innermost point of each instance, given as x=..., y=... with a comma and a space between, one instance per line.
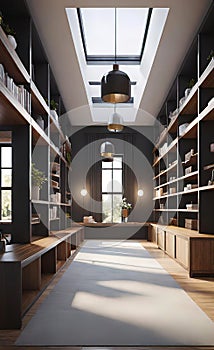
x=106, y=59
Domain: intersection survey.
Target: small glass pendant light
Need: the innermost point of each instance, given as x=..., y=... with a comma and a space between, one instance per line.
x=115, y=123
x=107, y=151
x=115, y=85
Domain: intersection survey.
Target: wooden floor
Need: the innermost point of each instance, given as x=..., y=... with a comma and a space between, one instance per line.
x=201, y=290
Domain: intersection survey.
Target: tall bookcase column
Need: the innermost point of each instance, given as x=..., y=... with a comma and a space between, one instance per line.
x=21, y=217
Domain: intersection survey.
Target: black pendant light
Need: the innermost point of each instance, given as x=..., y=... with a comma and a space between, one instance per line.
x=115, y=85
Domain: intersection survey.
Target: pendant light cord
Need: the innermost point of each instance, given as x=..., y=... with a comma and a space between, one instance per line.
x=115, y=29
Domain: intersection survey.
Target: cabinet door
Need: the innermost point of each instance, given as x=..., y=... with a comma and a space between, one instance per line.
x=182, y=251
x=170, y=244
x=152, y=231
x=161, y=239
x=202, y=258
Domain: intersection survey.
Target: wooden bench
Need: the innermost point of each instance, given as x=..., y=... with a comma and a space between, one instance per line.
x=26, y=270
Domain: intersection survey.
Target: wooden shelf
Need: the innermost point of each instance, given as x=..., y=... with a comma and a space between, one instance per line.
x=55, y=175
x=38, y=102
x=170, y=147
x=194, y=174
x=206, y=80
x=166, y=184
x=55, y=128
x=39, y=201
x=56, y=187
x=207, y=113
x=208, y=167
x=191, y=130
x=189, y=191
x=190, y=104
x=167, y=170
x=206, y=188
x=9, y=106
x=191, y=161
x=188, y=210
x=11, y=60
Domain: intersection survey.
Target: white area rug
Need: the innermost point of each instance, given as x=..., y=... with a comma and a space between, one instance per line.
x=116, y=294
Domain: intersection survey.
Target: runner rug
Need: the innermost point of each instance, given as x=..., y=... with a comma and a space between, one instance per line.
x=116, y=294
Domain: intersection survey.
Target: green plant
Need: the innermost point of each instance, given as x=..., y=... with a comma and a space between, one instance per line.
x=68, y=157
x=125, y=205
x=7, y=29
x=37, y=176
x=211, y=55
x=53, y=104
x=191, y=83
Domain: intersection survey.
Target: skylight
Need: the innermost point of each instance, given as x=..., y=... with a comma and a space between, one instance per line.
x=98, y=33
x=138, y=46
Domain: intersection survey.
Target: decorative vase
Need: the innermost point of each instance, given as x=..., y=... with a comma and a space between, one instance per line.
x=187, y=91
x=54, y=114
x=35, y=192
x=40, y=121
x=12, y=41
x=125, y=214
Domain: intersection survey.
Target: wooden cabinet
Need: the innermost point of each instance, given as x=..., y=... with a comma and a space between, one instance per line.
x=194, y=251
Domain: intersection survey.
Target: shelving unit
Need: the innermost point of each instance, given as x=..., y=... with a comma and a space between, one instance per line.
x=187, y=235
x=36, y=135
x=183, y=161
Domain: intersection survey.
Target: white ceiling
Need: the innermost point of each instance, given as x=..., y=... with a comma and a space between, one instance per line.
x=182, y=23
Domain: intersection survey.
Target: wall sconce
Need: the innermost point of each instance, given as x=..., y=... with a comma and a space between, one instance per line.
x=83, y=192
x=140, y=193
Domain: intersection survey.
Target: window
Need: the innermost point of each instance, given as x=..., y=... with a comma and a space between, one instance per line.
x=6, y=182
x=112, y=189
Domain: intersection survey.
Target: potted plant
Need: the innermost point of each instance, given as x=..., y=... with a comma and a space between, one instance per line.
x=38, y=179
x=53, y=108
x=210, y=56
x=190, y=85
x=10, y=33
x=125, y=206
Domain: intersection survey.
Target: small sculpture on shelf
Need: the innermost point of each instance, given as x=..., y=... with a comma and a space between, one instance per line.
x=211, y=181
x=9, y=31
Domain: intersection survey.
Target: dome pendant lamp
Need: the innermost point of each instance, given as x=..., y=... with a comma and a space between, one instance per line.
x=107, y=151
x=115, y=85
x=115, y=123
